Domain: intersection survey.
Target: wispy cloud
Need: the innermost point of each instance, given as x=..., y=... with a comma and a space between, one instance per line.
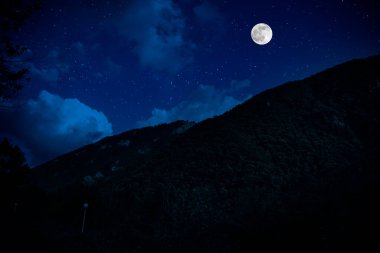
x=157, y=29
x=51, y=69
x=206, y=12
x=207, y=101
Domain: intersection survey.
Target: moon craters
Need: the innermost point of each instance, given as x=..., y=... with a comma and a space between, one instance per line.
x=261, y=34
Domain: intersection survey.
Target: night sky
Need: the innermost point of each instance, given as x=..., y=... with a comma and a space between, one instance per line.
x=103, y=67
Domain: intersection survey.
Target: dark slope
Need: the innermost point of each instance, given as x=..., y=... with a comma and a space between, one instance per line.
x=107, y=158
x=296, y=167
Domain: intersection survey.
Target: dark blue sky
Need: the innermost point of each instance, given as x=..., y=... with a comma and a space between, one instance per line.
x=103, y=67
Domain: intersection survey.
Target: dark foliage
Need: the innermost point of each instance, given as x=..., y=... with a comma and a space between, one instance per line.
x=294, y=168
x=13, y=13
x=13, y=177
x=13, y=172
x=12, y=160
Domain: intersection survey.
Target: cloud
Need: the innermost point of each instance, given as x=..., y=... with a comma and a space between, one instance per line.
x=51, y=125
x=79, y=47
x=113, y=67
x=210, y=23
x=206, y=12
x=205, y=102
x=157, y=27
x=52, y=69
x=238, y=85
x=49, y=75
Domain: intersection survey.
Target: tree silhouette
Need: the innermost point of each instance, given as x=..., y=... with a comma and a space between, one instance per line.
x=13, y=174
x=12, y=159
x=13, y=14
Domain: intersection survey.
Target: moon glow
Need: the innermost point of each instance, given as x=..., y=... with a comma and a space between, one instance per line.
x=261, y=34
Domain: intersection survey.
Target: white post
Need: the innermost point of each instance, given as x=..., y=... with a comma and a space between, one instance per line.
x=85, y=205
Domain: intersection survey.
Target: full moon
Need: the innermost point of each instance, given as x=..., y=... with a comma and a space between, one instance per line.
x=261, y=34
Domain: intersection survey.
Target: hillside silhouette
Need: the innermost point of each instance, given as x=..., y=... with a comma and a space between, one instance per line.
x=293, y=168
